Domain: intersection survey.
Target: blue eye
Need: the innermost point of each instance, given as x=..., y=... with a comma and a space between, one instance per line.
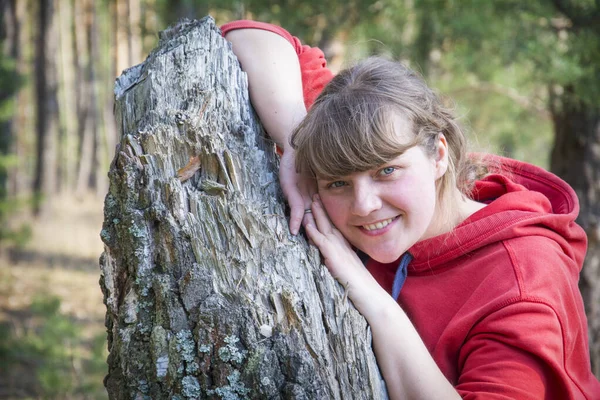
x=336, y=184
x=387, y=171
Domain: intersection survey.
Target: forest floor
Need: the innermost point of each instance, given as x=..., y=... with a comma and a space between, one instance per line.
x=53, y=339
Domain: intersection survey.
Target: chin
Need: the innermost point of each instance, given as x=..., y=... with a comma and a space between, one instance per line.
x=384, y=257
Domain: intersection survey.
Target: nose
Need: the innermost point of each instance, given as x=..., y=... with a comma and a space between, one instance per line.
x=366, y=199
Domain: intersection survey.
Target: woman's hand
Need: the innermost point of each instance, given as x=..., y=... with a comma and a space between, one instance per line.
x=297, y=188
x=343, y=262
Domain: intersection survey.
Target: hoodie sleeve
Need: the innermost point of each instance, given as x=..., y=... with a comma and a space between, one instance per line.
x=520, y=352
x=313, y=66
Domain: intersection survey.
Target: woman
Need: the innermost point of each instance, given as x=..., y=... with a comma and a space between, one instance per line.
x=470, y=285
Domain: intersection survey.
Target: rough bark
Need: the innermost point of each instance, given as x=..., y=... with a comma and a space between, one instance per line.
x=576, y=159
x=207, y=294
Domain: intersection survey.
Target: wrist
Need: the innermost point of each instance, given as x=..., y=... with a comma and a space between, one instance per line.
x=372, y=301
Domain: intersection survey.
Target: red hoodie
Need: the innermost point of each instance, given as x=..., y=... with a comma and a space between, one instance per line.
x=496, y=300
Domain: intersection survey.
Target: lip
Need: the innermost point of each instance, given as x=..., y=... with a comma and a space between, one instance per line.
x=379, y=232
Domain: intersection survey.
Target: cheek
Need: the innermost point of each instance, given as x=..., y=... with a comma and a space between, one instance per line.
x=418, y=195
x=335, y=208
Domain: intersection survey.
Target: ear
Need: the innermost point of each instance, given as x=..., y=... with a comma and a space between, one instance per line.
x=441, y=156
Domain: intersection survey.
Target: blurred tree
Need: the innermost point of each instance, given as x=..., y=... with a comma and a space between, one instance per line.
x=87, y=174
x=45, y=177
x=10, y=82
x=69, y=53
x=318, y=23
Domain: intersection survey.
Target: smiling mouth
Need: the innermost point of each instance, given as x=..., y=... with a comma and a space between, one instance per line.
x=378, y=225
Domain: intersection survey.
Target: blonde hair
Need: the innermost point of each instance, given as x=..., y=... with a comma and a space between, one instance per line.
x=350, y=126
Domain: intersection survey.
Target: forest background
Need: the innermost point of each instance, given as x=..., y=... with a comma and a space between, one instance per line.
x=525, y=77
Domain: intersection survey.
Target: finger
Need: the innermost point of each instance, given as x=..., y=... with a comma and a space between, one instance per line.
x=308, y=217
x=296, y=217
x=309, y=220
x=308, y=192
x=320, y=215
x=296, y=203
x=314, y=235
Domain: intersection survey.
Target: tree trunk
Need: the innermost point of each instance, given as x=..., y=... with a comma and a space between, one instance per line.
x=9, y=54
x=88, y=165
x=207, y=294
x=576, y=159
x=67, y=151
x=134, y=36
x=93, y=181
x=45, y=180
x=20, y=182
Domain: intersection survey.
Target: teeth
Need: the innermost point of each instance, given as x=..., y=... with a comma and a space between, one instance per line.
x=378, y=225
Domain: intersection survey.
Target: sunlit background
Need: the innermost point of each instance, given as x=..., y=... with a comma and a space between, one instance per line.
x=519, y=72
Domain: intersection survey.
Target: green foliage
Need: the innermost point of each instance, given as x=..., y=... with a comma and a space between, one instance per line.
x=51, y=349
x=316, y=22
x=20, y=235
x=497, y=59
x=10, y=82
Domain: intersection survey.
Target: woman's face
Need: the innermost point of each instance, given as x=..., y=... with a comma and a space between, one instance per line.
x=384, y=211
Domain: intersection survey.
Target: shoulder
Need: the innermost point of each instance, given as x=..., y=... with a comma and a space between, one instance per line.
x=542, y=269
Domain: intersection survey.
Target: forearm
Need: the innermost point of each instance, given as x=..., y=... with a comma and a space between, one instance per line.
x=274, y=80
x=407, y=366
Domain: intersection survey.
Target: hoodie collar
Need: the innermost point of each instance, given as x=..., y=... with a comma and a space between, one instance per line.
x=522, y=200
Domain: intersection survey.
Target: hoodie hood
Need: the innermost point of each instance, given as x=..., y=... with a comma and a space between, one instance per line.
x=522, y=200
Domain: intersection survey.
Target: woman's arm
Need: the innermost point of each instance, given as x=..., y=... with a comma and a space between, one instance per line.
x=274, y=80
x=407, y=367
x=275, y=86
